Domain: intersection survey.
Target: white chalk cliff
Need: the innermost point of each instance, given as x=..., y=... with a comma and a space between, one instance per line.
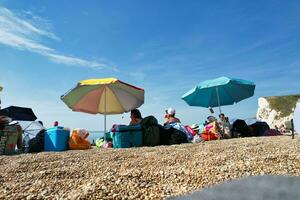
x=276, y=110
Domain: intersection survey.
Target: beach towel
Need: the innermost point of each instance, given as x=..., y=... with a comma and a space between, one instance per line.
x=190, y=130
x=180, y=127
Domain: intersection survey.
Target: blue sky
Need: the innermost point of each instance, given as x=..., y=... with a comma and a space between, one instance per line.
x=165, y=47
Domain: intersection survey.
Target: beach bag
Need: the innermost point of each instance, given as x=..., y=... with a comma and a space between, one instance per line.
x=172, y=136
x=77, y=142
x=36, y=144
x=259, y=128
x=211, y=132
x=240, y=128
x=177, y=137
x=151, y=131
x=164, y=135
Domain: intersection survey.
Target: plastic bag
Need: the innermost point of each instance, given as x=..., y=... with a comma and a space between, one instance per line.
x=211, y=132
x=78, y=140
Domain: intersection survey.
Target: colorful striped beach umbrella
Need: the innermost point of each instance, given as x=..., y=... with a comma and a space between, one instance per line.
x=105, y=96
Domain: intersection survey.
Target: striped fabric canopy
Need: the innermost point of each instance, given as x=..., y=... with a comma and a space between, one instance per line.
x=104, y=96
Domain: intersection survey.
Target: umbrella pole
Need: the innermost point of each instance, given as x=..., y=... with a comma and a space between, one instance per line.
x=217, y=90
x=104, y=110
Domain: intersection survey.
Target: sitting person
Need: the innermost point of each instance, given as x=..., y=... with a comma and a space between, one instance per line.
x=170, y=116
x=225, y=126
x=135, y=116
x=195, y=128
x=197, y=137
x=4, y=121
x=222, y=117
x=211, y=119
x=173, y=122
x=36, y=144
x=282, y=129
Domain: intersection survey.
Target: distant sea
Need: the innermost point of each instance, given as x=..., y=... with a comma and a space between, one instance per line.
x=95, y=135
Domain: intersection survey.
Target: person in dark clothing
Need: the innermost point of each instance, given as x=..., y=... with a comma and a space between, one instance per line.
x=135, y=116
x=36, y=144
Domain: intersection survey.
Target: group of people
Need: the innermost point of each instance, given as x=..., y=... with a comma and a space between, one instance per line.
x=221, y=127
x=136, y=117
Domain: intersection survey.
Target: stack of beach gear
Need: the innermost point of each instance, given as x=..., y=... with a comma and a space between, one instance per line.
x=8, y=140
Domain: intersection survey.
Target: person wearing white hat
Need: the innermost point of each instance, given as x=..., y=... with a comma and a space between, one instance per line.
x=195, y=128
x=170, y=116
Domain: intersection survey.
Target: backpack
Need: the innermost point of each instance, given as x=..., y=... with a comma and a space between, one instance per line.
x=259, y=128
x=36, y=144
x=240, y=127
x=151, y=134
x=177, y=137
x=172, y=136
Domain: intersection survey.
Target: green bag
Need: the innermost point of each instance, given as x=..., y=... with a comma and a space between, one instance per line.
x=8, y=140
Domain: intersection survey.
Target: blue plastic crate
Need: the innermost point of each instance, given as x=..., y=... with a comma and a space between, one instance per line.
x=128, y=136
x=56, y=139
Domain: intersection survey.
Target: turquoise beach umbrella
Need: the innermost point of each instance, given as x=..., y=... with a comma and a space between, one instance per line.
x=219, y=92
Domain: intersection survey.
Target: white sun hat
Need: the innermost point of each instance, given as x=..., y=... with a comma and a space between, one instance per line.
x=171, y=111
x=195, y=126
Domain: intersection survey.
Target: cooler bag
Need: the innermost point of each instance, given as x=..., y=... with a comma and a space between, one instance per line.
x=56, y=139
x=127, y=136
x=8, y=140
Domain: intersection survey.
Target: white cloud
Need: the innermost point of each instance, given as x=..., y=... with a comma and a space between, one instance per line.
x=138, y=76
x=25, y=34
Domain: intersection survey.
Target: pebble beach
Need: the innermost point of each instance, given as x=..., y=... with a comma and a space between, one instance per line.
x=145, y=173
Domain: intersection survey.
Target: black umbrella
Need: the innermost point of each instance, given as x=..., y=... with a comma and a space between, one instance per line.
x=19, y=113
